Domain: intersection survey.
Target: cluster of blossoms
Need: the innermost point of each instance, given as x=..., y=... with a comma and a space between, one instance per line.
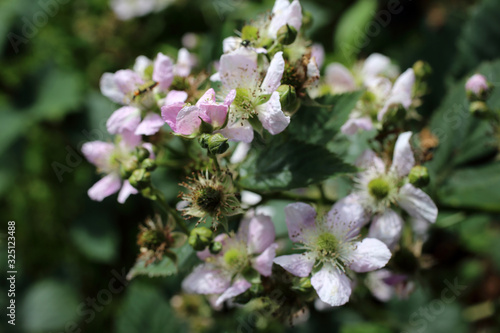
x=262, y=78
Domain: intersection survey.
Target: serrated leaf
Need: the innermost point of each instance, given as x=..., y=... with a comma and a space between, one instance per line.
x=290, y=165
x=165, y=267
x=320, y=123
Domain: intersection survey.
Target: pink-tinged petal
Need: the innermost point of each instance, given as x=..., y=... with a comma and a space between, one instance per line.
x=387, y=227
x=375, y=65
x=98, y=153
x=141, y=63
x=300, y=218
x=163, y=71
x=401, y=93
x=216, y=114
x=207, y=98
x=110, y=89
x=130, y=139
x=347, y=215
x=379, y=289
x=299, y=265
x=271, y=116
x=149, y=147
x=318, y=53
x=176, y=96
x=261, y=233
x=184, y=63
x=127, y=80
x=403, y=159
x=274, y=74
x=353, y=125
x=369, y=254
x=238, y=131
x=417, y=203
x=108, y=185
x=126, y=191
x=476, y=84
x=150, y=125
x=125, y=118
x=188, y=120
x=239, y=287
x=230, y=97
x=206, y=279
x=285, y=13
x=264, y=262
x=239, y=69
x=339, y=78
x=332, y=286
x=370, y=160
x=170, y=112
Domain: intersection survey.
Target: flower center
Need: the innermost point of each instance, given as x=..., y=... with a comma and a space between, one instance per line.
x=209, y=199
x=234, y=259
x=379, y=188
x=327, y=243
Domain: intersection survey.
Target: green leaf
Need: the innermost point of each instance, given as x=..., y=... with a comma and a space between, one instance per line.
x=363, y=328
x=318, y=124
x=289, y=165
x=48, y=305
x=350, y=32
x=474, y=188
x=146, y=310
x=166, y=266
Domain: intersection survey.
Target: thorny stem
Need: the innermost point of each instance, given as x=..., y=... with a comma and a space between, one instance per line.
x=160, y=199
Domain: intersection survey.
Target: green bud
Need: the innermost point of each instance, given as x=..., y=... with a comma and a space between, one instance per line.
x=203, y=140
x=200, y=238
x=304, y=283
x=419, y=176
x=141, y=153
x=422, y=69
x=148, y=193
x=217, y=144
x=307, y=20
x=287, y=35
x=215, y=247
x=127, y=167
x=288, y=98
x=205, y=127
x=151, y=239
x=479, y=108
x=140, y=179
x=149, y=164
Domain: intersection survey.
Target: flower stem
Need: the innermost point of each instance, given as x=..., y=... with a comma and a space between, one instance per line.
x=160, y=199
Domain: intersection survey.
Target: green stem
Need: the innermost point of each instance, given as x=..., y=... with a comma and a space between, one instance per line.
x=216, y=162
x=293, y=197
x=160, y=199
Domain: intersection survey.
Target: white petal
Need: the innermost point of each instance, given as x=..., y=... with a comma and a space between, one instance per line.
x=271, y=116
x=126, y=191
x=403, y=159
x=333, y=287
x=369, y=254
x=369, y=160
x=375, y=282
x=238, y=287
x=141, y=63
x=350, y=210
x=238, y=69
x=339, y=78
x=108, y=185
x=274, y=74
x=238, y=131
x=387, y=227
x=150, y=125
x=125, y=118
x=375, y=65
x=110, y=89
x=417, y=203
x=264, y=262
x=260, y=233
x=98, y=153
x=297, y=264
x=353, y=125
x=300, y=218
x=230, y=44
x=240, y=152
x=206, y=279
x=401, y=93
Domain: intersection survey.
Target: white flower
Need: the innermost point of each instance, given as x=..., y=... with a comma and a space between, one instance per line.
x=331, y=245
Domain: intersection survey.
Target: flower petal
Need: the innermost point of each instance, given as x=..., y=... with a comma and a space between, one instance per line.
x=163, y=71
x=353, y=125
x=264, y=262
x=238, y=131
x=239, y=287
x=369, y=254
x=127, y=80
x=375, y=65
x=403, y=159
x=379, y=289
x=285, y=13
x=297, y=264
x=260, y=234
x=98, y=153
x=150, y=125
x=206, y=279
x=188, y=120
x=184, y=63
x=417, y=203
x=300, y=218
x=230, y=44
x=347, y=215
x=401, y=93
x=126, y=191
x=369, y=160
x=274, y=74
x=239, y=69
x=387, y=227
x=110, y=89
x=271, y=116
x=333, y=287
x=240, y=153
x=125, y=118
x=108, y=185
x=176, y=96
x=339, y=78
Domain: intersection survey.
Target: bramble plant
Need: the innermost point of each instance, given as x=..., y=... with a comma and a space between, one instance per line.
x=263, y=126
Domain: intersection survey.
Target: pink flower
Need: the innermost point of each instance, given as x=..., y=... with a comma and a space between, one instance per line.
x=128, y=118
x=107, y=157
x=332, y=243
x=186, y=119
x=477, y=85
x=252, y=247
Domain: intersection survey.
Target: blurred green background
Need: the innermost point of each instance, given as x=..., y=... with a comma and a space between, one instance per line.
x=71, y=250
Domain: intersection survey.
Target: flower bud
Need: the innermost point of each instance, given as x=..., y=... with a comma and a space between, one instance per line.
x=151, y=238
x=419, y=176
x=479, y=108
x=287, y=34
x=288, y=98
x=140, y=179
x=141, y=153
x=422, y=69
x=477, y=88
x=149, y=164
x=127, y=167
x=215, y=247
x=205, y=127
x=217, y=144
x=203, y=140
x=200, y=238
